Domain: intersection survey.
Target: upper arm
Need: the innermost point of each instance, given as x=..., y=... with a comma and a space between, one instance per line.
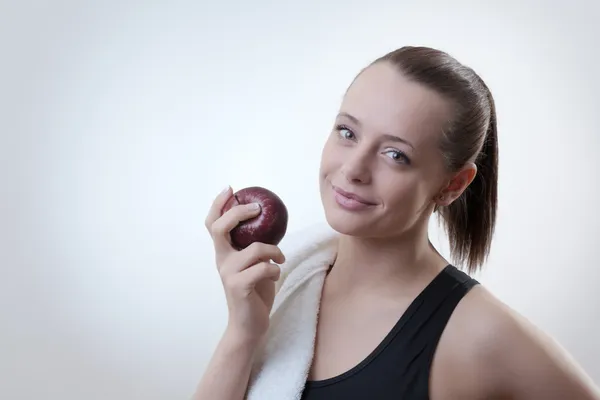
x=536, y=367
x=488, y=351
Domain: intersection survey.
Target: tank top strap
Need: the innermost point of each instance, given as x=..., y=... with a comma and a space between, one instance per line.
x=399, y=367
x=416, y=343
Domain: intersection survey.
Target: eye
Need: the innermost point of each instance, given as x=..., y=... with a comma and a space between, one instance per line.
x=398, y=156
x=345, y=132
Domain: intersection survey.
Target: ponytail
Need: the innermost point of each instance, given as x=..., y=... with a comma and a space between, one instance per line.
x=470, y=220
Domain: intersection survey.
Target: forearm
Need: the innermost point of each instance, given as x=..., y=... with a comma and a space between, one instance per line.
x=227, y=374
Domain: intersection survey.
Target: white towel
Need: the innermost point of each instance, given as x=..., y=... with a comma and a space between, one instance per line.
x=283, y=360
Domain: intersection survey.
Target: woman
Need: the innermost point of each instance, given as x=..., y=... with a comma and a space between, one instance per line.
x=415, y=135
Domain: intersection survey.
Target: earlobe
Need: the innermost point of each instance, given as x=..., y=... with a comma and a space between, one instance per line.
x=443, y=200
x=440, y=200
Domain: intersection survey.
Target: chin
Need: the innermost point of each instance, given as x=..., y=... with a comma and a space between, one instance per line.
x=351, y=224
x=345, y=226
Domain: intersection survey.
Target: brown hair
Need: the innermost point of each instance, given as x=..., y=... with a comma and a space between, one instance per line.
x=470, y=137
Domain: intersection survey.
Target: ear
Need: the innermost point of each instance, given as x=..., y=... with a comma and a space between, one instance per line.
x=459, y=182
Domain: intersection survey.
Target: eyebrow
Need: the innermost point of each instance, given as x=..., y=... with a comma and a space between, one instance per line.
x=386, y=136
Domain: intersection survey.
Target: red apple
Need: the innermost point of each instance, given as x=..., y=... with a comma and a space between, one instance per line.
x=267, y=227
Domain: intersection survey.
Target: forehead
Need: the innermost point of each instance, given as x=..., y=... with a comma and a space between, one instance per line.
x=385, y=101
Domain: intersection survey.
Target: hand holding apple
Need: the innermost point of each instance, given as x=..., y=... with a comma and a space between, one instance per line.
x=269, y=226
x=248, y=274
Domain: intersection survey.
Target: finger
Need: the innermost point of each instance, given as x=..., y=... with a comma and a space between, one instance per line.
x=258, y=272
x=217, y=205
x=257, y=252
x=222, y=226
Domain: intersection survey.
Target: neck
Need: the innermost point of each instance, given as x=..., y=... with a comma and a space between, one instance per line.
x=384, y=265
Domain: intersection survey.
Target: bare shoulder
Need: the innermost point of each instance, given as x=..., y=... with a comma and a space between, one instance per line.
x=488, y=350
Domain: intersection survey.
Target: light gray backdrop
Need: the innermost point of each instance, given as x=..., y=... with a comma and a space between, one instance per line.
x=120, y=121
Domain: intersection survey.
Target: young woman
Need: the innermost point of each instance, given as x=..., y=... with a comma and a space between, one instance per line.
x=415, y=134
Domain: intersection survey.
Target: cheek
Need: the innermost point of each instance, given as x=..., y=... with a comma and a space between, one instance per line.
x=409, y=194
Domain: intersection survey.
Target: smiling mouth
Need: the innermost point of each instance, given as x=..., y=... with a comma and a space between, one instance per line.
x=349, y=198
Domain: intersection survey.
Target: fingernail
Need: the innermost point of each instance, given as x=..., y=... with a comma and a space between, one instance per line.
x=253, y=206
x=226, y=189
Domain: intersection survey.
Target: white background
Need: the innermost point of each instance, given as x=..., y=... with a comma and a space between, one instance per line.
x=120, y=121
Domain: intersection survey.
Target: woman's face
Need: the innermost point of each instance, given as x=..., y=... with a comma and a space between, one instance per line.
x=384, y=148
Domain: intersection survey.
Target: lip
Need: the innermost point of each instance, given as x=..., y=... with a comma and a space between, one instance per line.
x=353, y=196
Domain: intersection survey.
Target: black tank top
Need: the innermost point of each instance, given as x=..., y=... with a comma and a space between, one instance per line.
x=399, y=367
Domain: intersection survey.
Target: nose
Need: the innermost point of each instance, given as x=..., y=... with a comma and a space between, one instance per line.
x=356, y=168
